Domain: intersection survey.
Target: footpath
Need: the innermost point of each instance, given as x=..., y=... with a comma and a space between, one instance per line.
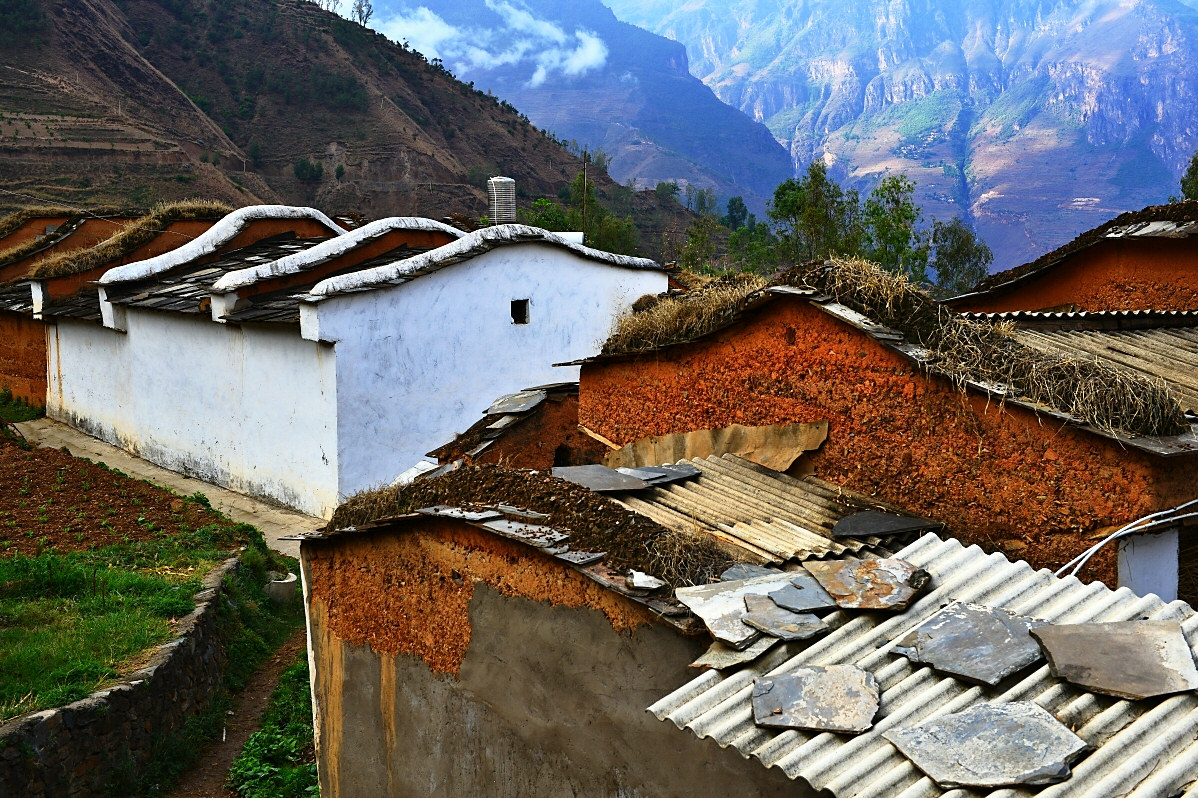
x=274, y=521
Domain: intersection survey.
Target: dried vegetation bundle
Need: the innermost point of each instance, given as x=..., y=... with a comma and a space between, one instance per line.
x=17, y=218
x=672, y=319
x=137, y=233
x=1099, y=393
x=594, y=522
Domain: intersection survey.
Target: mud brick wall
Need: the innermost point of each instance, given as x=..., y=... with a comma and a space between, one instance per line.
x=76, y=750
x=999, y=476
x=23, y=357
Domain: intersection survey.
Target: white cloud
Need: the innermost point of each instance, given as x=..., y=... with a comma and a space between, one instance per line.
x=523, y=38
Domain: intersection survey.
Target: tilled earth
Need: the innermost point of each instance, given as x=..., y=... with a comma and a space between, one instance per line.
x=48, y=498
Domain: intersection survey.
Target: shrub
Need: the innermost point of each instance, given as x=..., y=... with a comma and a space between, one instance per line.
x=308, y=171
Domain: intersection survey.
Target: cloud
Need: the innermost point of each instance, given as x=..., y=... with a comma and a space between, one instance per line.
x=522, y=38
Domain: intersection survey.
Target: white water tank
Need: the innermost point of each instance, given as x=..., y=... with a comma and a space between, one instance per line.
x=501, y=191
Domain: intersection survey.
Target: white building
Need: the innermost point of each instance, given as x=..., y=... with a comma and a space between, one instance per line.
x=290, y=370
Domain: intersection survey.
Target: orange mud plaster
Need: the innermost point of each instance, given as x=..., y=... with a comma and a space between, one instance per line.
x=998, y=476
x=409, y=592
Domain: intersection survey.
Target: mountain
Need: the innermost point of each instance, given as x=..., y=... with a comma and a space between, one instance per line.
x=1034, y=120
x=127, y=102
x=576, y=70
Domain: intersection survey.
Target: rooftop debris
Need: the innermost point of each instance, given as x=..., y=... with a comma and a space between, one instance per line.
x=135, y=234
x=802, y=594
x=683, y=317
x=600, y=479
x=991, y=745
x=774, y=446
x=874, y=523
x=721, y=657
x=981, y=645
x=836, y=698
x=870, y=584
x=1099, y=394
x=768, y=618
x=593, y=522
x=722, y=606
x=1128, y=659
x=744, y=570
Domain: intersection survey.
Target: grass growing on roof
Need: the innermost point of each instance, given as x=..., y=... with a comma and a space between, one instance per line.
x=684, y=317
x=1098, y=393
x=278, y=761
x=137, y=233
x=17, y=218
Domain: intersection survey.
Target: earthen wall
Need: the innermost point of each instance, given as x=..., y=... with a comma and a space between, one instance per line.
x=23, y=357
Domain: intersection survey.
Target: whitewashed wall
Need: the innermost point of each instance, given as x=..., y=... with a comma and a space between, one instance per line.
x=419, y=362
x=253, y=408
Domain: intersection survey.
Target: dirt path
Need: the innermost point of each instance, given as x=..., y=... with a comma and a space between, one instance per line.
x=207, y=778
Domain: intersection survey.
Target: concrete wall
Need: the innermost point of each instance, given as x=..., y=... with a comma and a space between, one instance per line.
x=546, y=699
x=250, y=408
x=420, y=362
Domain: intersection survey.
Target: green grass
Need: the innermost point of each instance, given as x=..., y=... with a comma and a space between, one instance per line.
x=13, y=409
x=274, y=762
x=71, y=623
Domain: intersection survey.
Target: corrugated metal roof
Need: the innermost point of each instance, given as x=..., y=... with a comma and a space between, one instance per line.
x=1142, y=749
x=769, y=515
x=1169, y=354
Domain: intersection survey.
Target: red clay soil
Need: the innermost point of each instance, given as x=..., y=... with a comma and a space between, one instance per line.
x=49, y=498
x=23, y=357
x=206, y=779
x=1000, y=477
x=409, y=592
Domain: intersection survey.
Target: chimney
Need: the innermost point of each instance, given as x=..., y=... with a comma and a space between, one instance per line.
x=501, y=191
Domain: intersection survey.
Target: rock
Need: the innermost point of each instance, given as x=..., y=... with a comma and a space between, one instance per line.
x=1129, y=659
x=767, y=617
x=982, y=645
x=888, y=584
x=991, y=745
x=838, y=698
x=802, y=594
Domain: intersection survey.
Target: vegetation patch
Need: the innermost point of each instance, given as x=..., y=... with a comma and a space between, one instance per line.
x=279, y=761
x=15, y=409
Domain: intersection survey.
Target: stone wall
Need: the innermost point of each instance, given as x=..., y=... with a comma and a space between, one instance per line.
x=75, y=750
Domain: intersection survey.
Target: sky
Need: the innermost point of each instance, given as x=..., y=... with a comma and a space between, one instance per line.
x=518, y=38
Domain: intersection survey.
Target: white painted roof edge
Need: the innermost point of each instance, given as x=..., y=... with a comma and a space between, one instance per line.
x=293, y=264
x=469, y=246
x=213, y=239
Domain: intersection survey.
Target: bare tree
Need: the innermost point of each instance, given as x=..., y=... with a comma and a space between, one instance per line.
x=362, y=11
x=329, y=5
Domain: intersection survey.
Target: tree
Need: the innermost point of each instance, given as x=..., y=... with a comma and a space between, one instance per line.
x=960, y=259
x=308, y=170
x=700, y=243
x=1189, y=181
x=736, y=215
x=666, y=192
x=545, y=214
x=892, y=236
x=362, y=11
x=814, y=217
x=601, y=228
x=755, y=246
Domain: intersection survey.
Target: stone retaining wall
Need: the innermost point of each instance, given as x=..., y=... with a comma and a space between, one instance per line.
x=75, y=750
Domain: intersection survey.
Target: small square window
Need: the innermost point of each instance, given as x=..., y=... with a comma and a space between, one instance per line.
x=519, y=311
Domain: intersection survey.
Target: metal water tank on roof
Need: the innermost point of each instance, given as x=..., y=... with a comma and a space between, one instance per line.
x=501, y=191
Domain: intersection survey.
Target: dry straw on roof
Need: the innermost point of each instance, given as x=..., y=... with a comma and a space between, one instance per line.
x=22, y=251
x=674, y=319
x=135, y=234
x=14, y=220
x=1094, y=391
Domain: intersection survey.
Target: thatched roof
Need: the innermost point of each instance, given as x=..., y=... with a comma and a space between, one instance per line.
x=135, y=234
x=594, y=522
x=14, y=220
x=1100, y=394
x=21, y=251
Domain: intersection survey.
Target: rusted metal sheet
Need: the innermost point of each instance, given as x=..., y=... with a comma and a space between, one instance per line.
x=983, y=645
x=870, y=584
x=802, y=594
x=767, y=617
x=600, y=479
x=1129, y=659
x=722, y=606
x=991, y=745
x=838, y=698
x=875, y=523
